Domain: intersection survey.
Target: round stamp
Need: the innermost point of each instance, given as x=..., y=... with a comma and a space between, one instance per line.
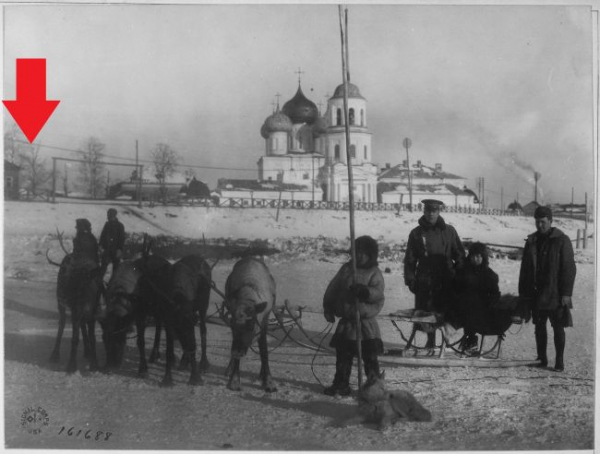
x=33, y=419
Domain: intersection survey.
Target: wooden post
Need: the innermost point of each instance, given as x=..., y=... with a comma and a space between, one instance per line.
x=278, y=205
x=141, y=180
x=586, y=212
x=578, y=239
x=346, y=77
x=53, y=180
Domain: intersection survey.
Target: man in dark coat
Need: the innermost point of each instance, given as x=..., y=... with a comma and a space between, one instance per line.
x=433, y=253
x=112, y=239
x=546, y=282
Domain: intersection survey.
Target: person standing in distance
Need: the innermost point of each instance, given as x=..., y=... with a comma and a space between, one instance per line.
x=546, y=281
x=112, y=240
x=433, y=254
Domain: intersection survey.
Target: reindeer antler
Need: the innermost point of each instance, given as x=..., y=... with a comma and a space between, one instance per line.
x=50, y=260
x=59, y=235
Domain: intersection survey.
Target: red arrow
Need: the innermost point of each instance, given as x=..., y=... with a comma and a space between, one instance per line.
x=31, y=110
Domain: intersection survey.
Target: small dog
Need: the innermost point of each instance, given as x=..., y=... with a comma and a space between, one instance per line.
x=383, y=407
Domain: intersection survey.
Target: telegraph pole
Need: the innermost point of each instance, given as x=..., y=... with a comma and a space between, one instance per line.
x=407, y=144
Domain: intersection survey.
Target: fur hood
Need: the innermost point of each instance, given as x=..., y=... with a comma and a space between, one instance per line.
x=481, y=249
x=369, y=246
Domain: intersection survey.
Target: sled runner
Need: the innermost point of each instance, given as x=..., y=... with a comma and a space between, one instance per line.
x=452, y=349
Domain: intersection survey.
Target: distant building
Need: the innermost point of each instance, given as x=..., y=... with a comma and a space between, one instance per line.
x=235, y=192
x=427, y=182
x=307, y=151
x=529, y=208
x=11, y=180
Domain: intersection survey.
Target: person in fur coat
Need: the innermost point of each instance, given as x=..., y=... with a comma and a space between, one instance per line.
x=477, y=293
x=341, y=299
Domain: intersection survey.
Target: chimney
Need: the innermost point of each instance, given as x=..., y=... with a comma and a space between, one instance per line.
x=418, y=163
x=387, y=165
x=438, y=167
x=404, y=163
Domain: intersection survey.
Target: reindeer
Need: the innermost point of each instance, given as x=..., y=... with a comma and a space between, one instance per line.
x=79, y=289
x=190, y=284
x=133, y=295
x=249, y=297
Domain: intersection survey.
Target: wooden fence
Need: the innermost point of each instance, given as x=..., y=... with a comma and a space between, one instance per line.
x=250, y=202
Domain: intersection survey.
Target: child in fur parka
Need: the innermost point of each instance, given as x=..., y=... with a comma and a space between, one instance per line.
x=341, y=299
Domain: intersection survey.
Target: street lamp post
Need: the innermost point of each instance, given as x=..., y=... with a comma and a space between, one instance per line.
x=407, y=144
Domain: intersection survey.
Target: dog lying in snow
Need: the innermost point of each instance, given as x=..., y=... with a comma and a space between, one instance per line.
x=378, y=405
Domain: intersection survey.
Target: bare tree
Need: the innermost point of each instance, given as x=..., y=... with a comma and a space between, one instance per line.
x=166, y=161
x=14, y=143
x=92, y=169
x=33, y=167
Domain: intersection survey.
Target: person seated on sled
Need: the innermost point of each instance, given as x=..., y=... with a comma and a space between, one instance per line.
x=340, y=300
x=433, y=253
x=477, y=293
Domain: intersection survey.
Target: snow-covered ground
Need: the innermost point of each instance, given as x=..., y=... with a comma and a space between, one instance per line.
x=474, y=407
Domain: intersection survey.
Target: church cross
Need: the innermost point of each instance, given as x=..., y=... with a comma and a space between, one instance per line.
x=299, y=72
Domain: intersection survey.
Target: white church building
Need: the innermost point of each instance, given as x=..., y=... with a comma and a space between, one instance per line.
x=305, y=152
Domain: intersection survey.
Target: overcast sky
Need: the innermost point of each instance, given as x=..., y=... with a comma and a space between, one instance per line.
x=488, y=91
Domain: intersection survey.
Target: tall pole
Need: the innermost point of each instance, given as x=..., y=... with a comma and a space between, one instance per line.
x=501, y=198
x=53, y=180
x=572, y=199
x=345, y=76
x=138, y=183
x=586, y=211
x=483, y=193
x=407, y=143
x=312, y=160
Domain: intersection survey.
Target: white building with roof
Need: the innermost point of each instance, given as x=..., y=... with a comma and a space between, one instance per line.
x=304, y=148
x=427, y=183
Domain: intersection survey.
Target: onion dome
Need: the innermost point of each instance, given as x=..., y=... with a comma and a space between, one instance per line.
x=321, y=125
x=278, y=122
x=353, y=91
x=300, y=109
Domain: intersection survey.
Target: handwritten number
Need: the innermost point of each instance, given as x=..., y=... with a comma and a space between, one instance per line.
x=86, y=434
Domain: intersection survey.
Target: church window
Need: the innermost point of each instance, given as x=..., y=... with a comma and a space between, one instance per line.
x=337, y=153
x=362, y=117
x=338, y=117
x=351, y=116
x=353, y=151
x=365, y=152
x=305, y=176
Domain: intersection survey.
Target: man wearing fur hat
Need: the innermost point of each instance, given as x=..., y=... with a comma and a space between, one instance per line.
x=341, y=298
x=546, y=282
x=433, y=253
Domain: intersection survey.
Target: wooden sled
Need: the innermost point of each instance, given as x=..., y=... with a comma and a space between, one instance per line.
x=447, y=352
